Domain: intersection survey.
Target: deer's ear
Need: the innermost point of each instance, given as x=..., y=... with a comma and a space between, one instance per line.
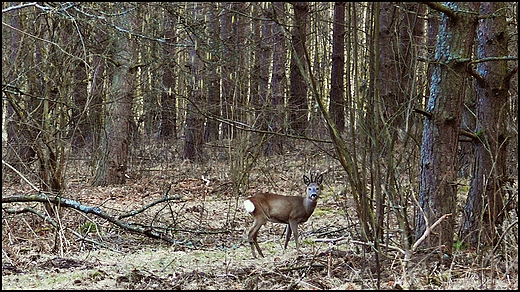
x=306, y=180
x=319, y=179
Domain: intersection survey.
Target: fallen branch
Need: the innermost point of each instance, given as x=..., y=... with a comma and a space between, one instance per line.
x=55, y=225
x=67, y=203
x=333, y=240
x=33, y=211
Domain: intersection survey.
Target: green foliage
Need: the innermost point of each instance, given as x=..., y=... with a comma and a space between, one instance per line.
x=479, y=134
x=97, y=275
x=307, y=241
x=88, y=227
x=463, y=188
x=459, y=245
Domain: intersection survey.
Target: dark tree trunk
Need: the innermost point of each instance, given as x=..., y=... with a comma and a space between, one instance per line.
x=483, y=211
x=115, y=139
x=194, y=134
x=193, y=140
x=337, y=94
x=265, y=53
x=399, y=36
x=80, y=129
x=226, y=70
x=98, y=92
x=257, y=63
x=118, y=117
x=278, y=81
x=298, y=107
x=213, y=79
x=168, y=127
x=263, y=39
x=389, y=67
x=439, y=151
x=241, y=63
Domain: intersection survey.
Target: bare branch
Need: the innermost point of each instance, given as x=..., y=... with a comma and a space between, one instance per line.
x=142, y=209
x=468, y=134
x=475, y=74
x=508, y=77
x=248, y=128
x=12, y=8
x=49, y=42
x=21, y=175
x=423, y=112
x=442, y=8
x=426, y=233
x=488, y=59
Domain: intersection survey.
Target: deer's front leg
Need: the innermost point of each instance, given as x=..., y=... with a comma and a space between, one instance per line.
x=294, y=226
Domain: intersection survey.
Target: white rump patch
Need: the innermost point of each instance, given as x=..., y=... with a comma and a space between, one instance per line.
x=249, y=206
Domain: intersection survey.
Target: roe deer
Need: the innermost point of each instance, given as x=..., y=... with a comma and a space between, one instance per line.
x=290, y=210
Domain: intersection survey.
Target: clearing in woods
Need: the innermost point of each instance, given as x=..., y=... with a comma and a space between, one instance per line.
x=208, y=224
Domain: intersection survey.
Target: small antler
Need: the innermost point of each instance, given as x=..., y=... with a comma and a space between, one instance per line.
x=314, y=177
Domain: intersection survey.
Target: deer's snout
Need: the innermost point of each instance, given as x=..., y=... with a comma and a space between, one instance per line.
x=312, y=193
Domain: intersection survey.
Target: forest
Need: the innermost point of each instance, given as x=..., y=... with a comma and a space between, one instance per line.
x=146, y=145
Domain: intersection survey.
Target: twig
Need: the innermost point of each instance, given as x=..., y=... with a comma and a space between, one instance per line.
x=503, y=234
x=426, y=233
x=372, y=245
x=329, y=239
x=301, y=267
x=166, y=198
x=21, y=175
x=55, y=225
x=423, y=112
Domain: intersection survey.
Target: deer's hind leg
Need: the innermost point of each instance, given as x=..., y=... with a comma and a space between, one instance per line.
x=288, y=233
x=252, y=236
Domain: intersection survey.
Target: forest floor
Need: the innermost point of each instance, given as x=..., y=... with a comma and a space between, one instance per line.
x=208, y=224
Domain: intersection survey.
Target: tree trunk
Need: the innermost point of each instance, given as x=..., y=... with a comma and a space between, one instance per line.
x=483, y=211
x=194, y=134
x=241, y=62
x=168, y=127
x=112, y=166
x=298, y=107
x=213, y=79
x=263, y=38
x=439, y=151
x=278, y=80
x=193, y=140
x=19, y=151
x=226, y=70
x=96, y=116
x=337, y=95
x=80, y=128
